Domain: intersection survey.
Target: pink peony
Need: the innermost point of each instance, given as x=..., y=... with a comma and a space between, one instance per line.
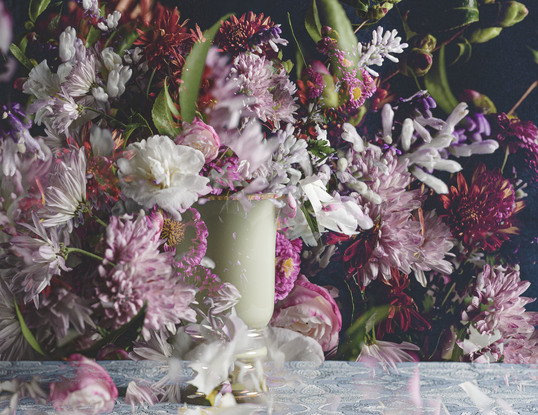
x=310, y=310
x=91, y=391
x=200, y=136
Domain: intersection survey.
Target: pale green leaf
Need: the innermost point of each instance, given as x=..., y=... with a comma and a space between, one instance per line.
x=36, y=8
x=27, y=333
x=436, y=82
x=312, y=22
x=192, y=73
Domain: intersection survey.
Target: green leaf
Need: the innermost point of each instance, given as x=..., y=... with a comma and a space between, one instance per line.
x=128, y=36
x=462, y=52
x=21, y=57
x=27, y=333
x=299, y=56
x=122, y=337
x=332, y=14
x=36, y=8
x=441, y=15
x=356, y=335
x=312, y=22
x=92, y=37
x=436, y=82
x=358, y=5
x=163, y=113
x=192, y=72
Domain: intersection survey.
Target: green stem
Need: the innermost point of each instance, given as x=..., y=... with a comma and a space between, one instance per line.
x=83, y=252
x=99, y=221
x=506, y=153
x=104, y=114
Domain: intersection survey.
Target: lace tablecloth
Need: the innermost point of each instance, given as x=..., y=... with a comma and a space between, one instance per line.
x=338, y=387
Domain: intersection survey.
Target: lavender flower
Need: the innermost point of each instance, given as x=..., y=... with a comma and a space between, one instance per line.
x=270, y=86
x=135, y=273
x=16, y=138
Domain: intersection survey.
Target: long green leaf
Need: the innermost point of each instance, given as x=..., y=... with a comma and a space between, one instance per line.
x=332, y=14
x=21, y=57
x=163, y=113
x=27, y=333
x=192, y=73
x=436, y=82
x=312, y=22
x=36, y=8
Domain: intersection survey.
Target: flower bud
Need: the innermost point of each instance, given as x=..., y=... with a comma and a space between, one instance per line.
x=484, y=35
x=480, y=102
x=511, y=12
x=425, y=42
x=416, y=61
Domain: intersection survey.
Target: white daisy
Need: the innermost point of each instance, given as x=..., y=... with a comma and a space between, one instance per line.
x=65, y=198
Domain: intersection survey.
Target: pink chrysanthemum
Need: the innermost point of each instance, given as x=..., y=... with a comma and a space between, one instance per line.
x=497, y=304
x=270, y=86
x=288, y=265
x=396, y=237
x=134, y=272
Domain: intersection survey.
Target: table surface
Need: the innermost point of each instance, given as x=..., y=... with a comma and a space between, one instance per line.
x=337, y=387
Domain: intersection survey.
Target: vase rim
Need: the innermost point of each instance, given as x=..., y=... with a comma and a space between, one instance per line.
x=254, y=196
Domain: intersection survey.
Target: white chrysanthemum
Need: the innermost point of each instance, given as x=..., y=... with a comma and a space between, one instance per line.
x=162, y=173
x=65, y=198
x=41, y=258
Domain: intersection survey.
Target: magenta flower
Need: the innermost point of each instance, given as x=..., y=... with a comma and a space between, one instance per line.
x=288, y=265
x=200, y=136
x=90, y=392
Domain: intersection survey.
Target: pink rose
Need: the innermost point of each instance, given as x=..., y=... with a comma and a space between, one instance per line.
x=90, y=392
x=310, y=309
x=200, y=136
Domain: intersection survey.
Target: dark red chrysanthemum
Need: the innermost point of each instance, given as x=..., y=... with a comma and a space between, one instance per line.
x=517, y=136
x=403, y=311
x=236, y=35
x=481, y=214
x=166, y=42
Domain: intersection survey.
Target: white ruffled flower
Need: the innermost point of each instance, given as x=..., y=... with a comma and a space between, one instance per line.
x=159, y=172
x=117, y=78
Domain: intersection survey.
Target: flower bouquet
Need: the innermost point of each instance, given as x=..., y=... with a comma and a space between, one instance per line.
x=398, y=213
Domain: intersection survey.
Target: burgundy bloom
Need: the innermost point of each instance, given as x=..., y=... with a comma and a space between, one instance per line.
x=167, y=42
x=517, y=136
x=403, y=311
x=481, y=213
x=288, y=265
x=247, y=33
